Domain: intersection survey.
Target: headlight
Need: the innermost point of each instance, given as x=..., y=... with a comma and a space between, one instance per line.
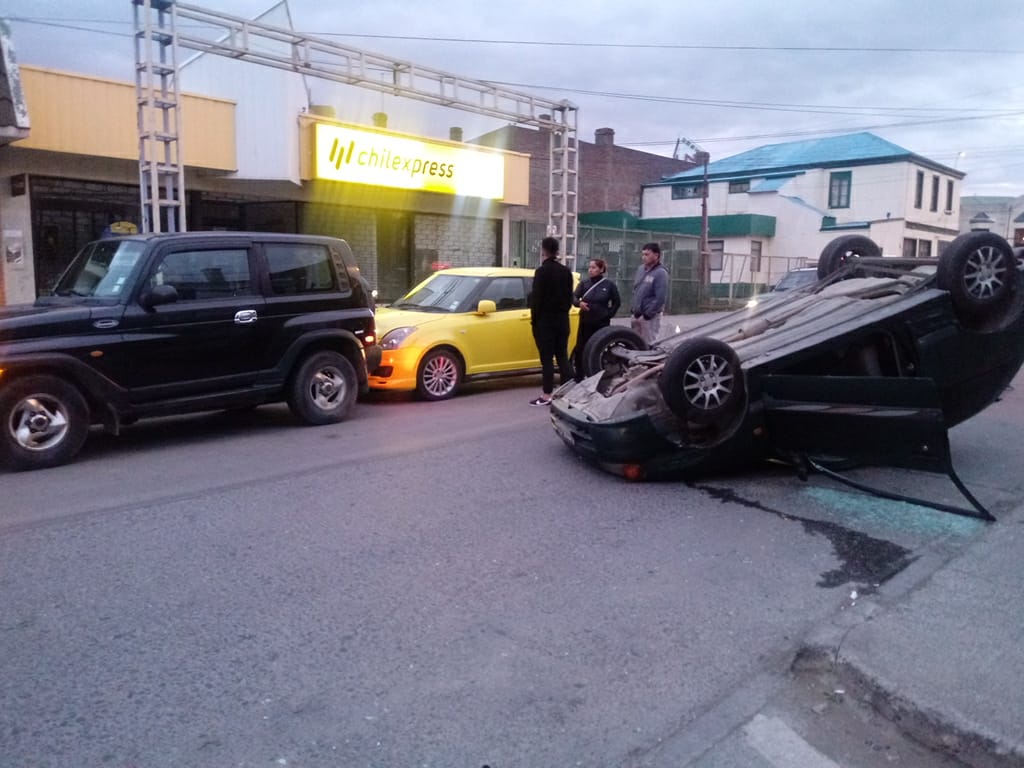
x=393, y=339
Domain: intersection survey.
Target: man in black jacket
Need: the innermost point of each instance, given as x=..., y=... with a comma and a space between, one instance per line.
x=550, y=300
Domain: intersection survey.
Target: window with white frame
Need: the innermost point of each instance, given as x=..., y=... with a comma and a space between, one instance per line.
x=919, y=190
x=935, y=194
x=739, y=186
x=755, y=256
x=716, y=254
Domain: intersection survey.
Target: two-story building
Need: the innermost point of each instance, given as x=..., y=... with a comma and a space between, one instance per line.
x=775, y=207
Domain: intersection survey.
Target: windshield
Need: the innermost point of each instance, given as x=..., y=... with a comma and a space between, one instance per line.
x=441, y=293
x=101, y=269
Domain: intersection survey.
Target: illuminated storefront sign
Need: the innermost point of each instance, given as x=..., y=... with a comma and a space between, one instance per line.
x=366, y=157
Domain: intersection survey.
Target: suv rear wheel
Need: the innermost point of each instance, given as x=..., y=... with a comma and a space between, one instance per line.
x=323, y=389
x=43, y=422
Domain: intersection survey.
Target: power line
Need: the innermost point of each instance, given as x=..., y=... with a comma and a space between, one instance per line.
x=929, y=115
x=585, y=44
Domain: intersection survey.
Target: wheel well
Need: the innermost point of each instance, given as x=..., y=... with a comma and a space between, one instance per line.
x=438, y=348
x=93, y=401
x=350, y=349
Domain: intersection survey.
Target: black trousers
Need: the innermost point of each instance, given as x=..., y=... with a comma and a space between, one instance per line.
x=586, y=330
x=551, y=334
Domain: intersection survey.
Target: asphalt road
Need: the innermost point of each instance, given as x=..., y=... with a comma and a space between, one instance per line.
x=427, y=584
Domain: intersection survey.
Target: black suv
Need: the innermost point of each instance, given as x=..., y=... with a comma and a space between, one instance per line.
x=160, y=324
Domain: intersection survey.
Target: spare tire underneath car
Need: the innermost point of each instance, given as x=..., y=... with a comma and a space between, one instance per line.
x=839, y=252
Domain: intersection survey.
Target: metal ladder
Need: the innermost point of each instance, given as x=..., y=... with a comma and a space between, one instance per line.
x=158, y=100
x=563, y=205
x=161, y=169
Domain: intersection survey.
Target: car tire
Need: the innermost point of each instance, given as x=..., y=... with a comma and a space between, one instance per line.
x=440, y=374
x=45, y=421
x=323, y=389
x=596, y=357
x=979, y=270
x=702, y=382
x=842, y=250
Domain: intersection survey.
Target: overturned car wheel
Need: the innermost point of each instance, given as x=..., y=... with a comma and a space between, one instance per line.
x=702, y=382
x=842, y=250
x=980, y=272
x=598, y=355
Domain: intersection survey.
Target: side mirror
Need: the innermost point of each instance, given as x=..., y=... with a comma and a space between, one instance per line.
x=485, y=307
x=157, y=295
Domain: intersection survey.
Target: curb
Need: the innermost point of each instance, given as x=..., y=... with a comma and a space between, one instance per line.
x=947, y=732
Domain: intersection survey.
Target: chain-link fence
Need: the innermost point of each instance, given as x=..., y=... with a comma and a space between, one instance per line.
x=732, y=282
x=621, y=250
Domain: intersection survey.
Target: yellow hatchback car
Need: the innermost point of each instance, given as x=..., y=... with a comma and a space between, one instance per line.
x=459, y=325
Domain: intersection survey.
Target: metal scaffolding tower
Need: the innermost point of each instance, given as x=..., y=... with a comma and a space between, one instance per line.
x=563, y=205
x=158, y=103
x=239, y=38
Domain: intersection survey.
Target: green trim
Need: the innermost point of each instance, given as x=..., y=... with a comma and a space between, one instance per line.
x=609, y=220
x=827, y=226
x=732, y=225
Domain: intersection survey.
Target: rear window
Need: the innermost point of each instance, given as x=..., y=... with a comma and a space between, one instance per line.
x=297, y=268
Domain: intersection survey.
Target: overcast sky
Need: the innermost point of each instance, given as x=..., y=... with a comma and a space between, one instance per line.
x=940, y=78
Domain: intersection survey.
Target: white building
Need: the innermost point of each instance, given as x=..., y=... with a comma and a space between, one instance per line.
x=1002, y=215
x=775, y=207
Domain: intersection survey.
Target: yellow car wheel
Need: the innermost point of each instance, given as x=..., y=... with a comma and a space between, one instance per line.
x=440, y=374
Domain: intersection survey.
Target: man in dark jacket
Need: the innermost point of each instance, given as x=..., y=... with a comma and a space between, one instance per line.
x=550, y=300
x=650, y=291
x=598, y=299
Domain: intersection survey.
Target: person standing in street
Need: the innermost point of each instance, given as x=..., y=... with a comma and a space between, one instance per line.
x=550, y=300
x=598, y=299
x=650, y=291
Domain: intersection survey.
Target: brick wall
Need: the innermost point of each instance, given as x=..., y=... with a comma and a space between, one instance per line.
x=609, y=175
x=455, y=241
x=356, y=226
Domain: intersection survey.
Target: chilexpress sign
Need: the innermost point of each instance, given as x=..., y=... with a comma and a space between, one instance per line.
x=362, y=156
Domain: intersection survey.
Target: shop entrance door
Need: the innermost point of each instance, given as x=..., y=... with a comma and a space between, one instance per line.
x=394, y=255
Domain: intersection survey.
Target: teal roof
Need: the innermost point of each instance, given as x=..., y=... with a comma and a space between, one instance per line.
x=850, y=149
x=773, y=184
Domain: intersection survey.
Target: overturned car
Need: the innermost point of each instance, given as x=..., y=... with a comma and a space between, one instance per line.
x=872, y=364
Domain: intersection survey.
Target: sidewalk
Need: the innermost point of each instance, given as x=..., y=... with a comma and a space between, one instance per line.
x=945, y=660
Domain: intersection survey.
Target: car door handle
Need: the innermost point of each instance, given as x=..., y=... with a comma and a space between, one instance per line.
x=245, y=316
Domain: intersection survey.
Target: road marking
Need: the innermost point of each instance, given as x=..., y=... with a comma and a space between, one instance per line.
x=781, y=746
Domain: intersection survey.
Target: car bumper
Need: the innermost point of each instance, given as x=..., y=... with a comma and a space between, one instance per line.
x=634, y=448
x=396, y=369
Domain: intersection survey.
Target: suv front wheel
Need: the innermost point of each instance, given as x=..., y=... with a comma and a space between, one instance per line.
x=44, y=422
x=323, y=389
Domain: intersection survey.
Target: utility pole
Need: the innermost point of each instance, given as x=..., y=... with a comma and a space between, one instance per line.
x=703, y=157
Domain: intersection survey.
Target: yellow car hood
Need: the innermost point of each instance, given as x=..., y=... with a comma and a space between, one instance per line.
x=388, y=319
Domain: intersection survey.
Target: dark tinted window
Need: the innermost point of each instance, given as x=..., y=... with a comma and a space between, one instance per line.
x=506, y=293
x=205, y=274
x=297, y=268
